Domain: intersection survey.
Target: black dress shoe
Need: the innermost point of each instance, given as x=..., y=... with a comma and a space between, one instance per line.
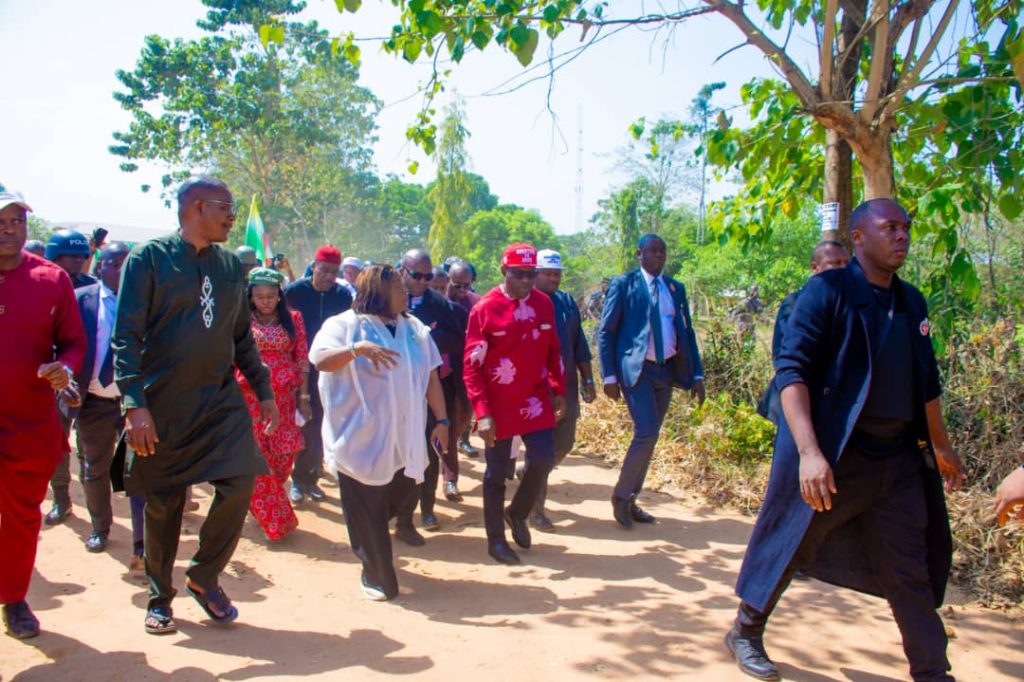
x=503, y=554
x=451, y=492
x=409, y=536
x=750, y=656
x=316, y=494
x=639, y=515
x=20, y=622
x=57, y=514
x=430, y=522
x=96, y=542
x=542, y=523
x=520, y=531
x=621, y=509
x=467, y=449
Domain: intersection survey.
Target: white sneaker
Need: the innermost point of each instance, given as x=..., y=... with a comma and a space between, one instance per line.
x=371, y=592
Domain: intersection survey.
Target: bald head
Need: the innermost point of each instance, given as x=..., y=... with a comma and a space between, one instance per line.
x=111, y=258
x=414, y=257
x=199, y=187
x=828, y=255
x=869, y=209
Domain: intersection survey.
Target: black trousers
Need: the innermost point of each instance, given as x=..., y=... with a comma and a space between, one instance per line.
x=99, y=425
x=564, y=439
x=309, y=462
x=886, y=497
x=218, y=536
x=368, y=510
x=60, y=482
x=540, y=456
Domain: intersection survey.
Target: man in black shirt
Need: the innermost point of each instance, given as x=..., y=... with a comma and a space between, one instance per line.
x=316, y=297
x=448, y=330
x=855, y=493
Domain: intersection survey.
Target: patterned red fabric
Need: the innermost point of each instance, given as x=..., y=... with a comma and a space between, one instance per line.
x=512, y=364
x=286, y=359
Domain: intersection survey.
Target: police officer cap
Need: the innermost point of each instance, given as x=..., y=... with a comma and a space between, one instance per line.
x=247, y=255
x=67, y=243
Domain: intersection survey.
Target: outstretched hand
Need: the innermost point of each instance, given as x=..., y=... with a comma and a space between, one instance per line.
x=381, y=357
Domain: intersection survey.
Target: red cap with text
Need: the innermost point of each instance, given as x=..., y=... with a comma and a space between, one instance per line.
x=519, y=256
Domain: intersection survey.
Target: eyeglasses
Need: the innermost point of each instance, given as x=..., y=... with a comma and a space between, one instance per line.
x=231, y=206
x=419, y=276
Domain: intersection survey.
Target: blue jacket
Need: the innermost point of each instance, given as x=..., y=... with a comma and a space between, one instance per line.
x=88, y=296
x=625, y=327
x=826, y=347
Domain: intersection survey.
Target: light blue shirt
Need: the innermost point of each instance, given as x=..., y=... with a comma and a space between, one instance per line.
x=105, y=314
x=667, y=308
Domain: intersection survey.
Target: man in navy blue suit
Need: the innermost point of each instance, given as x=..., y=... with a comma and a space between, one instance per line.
x=647, y=346
x=855, y=492
x=99, y=421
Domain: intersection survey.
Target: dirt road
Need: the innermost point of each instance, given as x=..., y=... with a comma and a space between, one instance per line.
x=589, y=602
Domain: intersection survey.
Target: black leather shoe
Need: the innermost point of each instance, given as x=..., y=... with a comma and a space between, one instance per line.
x=57, y=514
x=639, y=515
x=96, y=543
x=430, y=522
x=467, y=449
x=316, y=494
x=621, y=509
x=503, y=554
x=750, y=656
x=409, y=536
x=520, y=531
x=296, y=495
x=542, y=523
x=451, y=492
x=20, y=622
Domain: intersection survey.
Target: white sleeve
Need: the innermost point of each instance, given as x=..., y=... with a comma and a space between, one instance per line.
x=334, y=334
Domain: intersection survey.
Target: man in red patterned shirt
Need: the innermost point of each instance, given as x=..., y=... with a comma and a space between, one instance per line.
x=42, y=343
x=516, y=385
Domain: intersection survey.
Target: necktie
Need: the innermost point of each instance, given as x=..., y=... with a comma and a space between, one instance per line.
x=659, y=341
x=106, y=376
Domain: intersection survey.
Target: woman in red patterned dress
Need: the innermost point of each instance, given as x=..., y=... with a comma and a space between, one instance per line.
x=281, y=338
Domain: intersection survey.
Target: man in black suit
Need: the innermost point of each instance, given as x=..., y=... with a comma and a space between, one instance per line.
x=449, y=334
x=99, y=421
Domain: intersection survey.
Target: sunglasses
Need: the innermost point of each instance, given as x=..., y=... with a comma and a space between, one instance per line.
x=232, y=208
x=419, y=276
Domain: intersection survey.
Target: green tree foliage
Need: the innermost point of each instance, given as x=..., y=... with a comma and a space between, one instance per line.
x=491, y=231
x=282, y=119
x=451, y=190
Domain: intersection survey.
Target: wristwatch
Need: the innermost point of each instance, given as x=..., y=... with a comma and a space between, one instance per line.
x=444, y=422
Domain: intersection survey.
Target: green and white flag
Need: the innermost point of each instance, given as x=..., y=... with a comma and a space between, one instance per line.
x=256, y=234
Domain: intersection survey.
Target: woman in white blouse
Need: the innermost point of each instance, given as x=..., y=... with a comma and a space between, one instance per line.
x=378, y=372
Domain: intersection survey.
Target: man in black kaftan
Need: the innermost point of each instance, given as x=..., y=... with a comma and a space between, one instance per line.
x=182, y=325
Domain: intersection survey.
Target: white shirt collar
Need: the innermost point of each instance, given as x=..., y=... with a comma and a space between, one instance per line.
x=106, y=292
x=648, y=277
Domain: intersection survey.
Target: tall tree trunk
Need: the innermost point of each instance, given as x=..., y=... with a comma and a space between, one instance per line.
x=875, y=157
x=838, y=186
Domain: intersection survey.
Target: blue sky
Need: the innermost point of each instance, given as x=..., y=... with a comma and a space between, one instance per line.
x=58, y=113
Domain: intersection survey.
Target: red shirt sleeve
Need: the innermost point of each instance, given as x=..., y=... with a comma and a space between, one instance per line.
x=68, y=330
x=473, y=362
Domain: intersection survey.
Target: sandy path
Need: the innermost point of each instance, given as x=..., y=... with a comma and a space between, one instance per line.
x=590, y=602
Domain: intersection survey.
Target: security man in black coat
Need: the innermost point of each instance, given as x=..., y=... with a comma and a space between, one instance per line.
x=855, y=493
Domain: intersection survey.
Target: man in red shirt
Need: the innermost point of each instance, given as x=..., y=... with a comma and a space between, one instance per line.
x=42, y=343
x=516, y=385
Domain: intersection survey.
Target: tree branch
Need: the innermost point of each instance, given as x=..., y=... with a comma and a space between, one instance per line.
x=908, y=79
x=826, y=59
x=879, y=57
x=794, y=76
x=853, y=12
